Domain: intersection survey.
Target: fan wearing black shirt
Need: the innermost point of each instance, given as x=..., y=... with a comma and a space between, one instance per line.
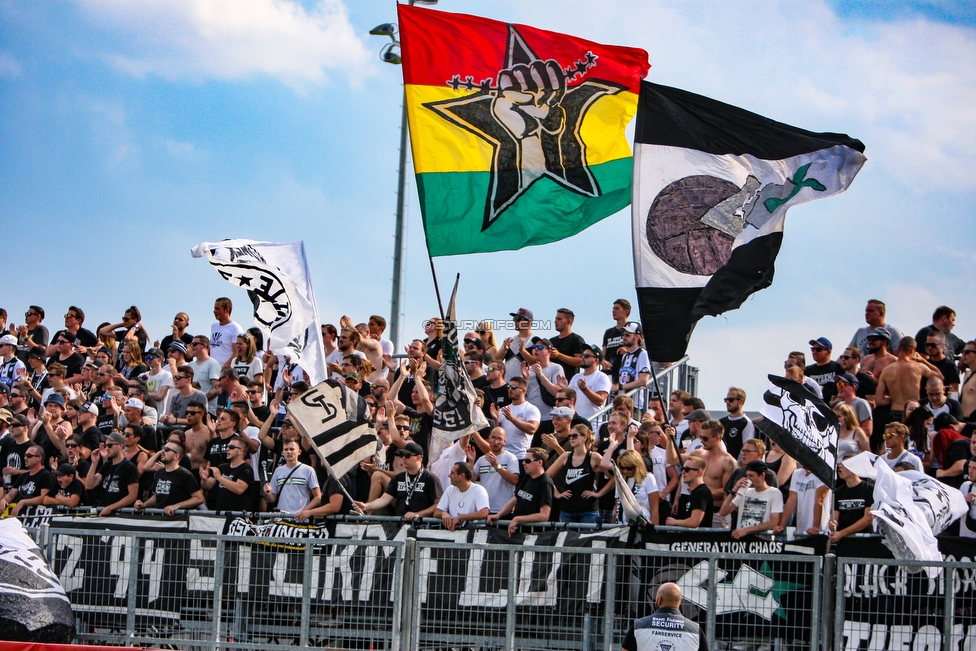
x=533, y=496
x=174, y=487
x=852, y=505
x=231, y=486
x=32, y=487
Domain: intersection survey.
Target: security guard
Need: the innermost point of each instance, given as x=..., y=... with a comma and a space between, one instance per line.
x=667, y=629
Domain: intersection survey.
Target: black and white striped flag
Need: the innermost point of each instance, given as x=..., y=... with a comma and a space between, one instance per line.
x=335, y=420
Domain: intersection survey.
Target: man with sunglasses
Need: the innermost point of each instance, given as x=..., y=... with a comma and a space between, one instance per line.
x=31, y=487
x=174, y=487
x=115, y=477
x=496, y=391
x=850, y=361
x=415, y=490
x=533, y=496
x=935, y=353
x=231, y=486
x=543, y=379
x=64, y=345
x=847, y=386
x=206, y=372
x=695, y=508
x=32, y=334
x=11, y=366
x=738, y=427
x=824, y=370
x=13, y=449
x=73, y=320
x=183, y=395
x=592, y=386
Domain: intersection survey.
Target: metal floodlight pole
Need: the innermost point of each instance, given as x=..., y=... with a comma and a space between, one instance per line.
x=391, y=54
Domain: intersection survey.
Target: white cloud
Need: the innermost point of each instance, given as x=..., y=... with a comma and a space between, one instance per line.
x=9, y=66
x=905, y=88
x=232, y=39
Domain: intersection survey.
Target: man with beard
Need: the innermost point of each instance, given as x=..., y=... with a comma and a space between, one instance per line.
x=32, y=486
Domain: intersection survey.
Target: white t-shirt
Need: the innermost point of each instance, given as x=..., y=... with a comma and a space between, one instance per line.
x=534, y=388
x=335, y=357
x=805, y=486
x=904, y=457
x=156, y=382
x=456, y=503
x=249, y=370
x=499, y=490
x=518, y=441
x=641, y=491
x=756, y=507
x=222, y=340
x=597, y=382
x=659, y=463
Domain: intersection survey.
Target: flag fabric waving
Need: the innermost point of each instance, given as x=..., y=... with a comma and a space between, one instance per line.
x=455, y=413
x=802, y=424
x=517, y=133
x=276, y=278
x=334, y=419
x=712, y=184
x=899, y=521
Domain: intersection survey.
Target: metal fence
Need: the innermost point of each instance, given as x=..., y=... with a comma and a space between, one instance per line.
x=678, y=375
x=198, y=590
x=917, y=605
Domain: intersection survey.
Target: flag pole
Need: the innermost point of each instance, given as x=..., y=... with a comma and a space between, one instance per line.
x=437, y=289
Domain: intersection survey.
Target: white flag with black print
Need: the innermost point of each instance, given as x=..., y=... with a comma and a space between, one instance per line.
x=940, y=503
x=802, y=424
x=900, y=522
x=276, y=278
x=336, y=421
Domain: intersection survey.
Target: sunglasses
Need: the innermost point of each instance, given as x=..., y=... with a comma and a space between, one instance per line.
x=844, y=357
x=622, y=468
x=167, y=449
x=529, y=460
x=817, y=349
x=574, y=435
x=888, y=435
x=111, y=445
x=403, y=428
x=404, y=454
x=688, y=469
x=730, y=399
x=194, y=413
x=539, y=347
x=482, y=332
x=70, y=445
x=30, y=455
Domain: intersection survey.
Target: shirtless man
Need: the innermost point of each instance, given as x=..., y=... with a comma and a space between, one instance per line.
x=878, y=357
x=967, y=388
x=899, y=381
x=198, y=435
x=369, y=347
x=719, y=466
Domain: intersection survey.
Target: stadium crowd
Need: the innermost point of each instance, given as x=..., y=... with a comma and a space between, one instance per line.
x=112, y=420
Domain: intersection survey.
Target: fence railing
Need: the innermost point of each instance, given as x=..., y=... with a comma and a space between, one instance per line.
x=678, y=375
x=384, y=586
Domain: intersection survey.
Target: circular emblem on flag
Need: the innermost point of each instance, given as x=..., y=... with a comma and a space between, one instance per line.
x=676, y=233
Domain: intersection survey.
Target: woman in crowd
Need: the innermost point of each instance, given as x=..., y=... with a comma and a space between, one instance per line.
x=851, y=439
x=487, y=335
x=246, y=361
x=132, y=364
x=640, y=482
x=577, y=471
x=919, y=426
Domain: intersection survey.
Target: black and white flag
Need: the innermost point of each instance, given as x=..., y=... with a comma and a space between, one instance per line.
x=802, y=424
x=276, y=278
x=712, y=184
x=335, y=420
x=939, y=503
x=455, y=413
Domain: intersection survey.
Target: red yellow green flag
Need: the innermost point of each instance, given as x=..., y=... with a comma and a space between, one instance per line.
x=517, y=132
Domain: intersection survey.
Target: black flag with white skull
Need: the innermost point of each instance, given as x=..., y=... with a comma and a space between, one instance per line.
x=802, y=424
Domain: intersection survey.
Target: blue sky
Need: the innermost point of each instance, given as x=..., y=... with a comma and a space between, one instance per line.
x=132, y=131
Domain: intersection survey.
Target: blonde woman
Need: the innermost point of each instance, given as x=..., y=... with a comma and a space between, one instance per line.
x=578, y=469
x=851, y=439
x=487, y=335
x=245, y=361
x=641, y=483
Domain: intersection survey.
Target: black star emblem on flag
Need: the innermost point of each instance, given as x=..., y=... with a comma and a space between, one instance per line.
x=532, y=120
